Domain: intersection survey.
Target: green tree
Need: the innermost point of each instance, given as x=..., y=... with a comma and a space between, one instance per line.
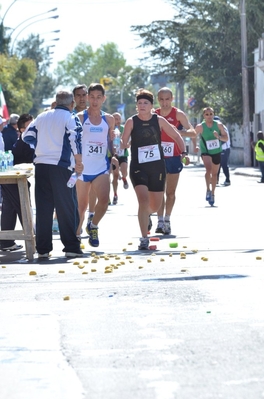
x=33, y=48
x=201, y=45
x=17, y=78
x=86, y=66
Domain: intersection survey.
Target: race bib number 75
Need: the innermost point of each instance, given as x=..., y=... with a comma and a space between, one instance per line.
x=148, y=153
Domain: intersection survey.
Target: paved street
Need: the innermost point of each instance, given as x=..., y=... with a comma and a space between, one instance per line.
x=154, y=325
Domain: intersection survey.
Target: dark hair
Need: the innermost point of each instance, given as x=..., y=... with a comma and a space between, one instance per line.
x=96, y=86
x=81, y=86
x=23, y=119
x=144, y=94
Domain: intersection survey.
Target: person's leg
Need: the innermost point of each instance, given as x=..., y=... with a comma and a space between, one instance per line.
x=172, y=180
x=144, y=209
x=261, y=167
x=44, y=209
x=65, y=201
x=101, y=187
x=83, y=191
x=115, y=173
x=10, y=205
x=224, y=164
x=207, y=160
x=123, y=169
x=214, y=171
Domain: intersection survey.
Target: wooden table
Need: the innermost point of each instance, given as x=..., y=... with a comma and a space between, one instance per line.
x=27, y=234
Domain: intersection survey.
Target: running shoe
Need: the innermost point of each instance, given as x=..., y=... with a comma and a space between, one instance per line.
x=226, y=183
x=73, y=254
x=125, y=184
x=55, y=226
x=159, y=228
x=208, y=195
x=212, y=200
x=166, y=227
x=93, y=235
x=144, y=243
x=149, y=223
x=14, y=247
x=115, y=199
x=44, y=256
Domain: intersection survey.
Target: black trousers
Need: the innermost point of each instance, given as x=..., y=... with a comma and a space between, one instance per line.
x=51, y=192
x=10, y=210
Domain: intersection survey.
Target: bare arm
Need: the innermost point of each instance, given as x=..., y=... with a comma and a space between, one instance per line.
x=223, y=135
x=125, y=139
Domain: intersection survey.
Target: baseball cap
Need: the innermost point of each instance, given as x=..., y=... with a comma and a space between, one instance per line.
x=13, y=119
x=2, y=120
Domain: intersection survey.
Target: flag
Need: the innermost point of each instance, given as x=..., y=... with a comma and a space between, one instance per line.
x=3, y=108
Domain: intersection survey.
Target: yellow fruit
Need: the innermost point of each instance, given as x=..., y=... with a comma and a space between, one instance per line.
x=162, y=259
x=32, y=273
x=66, y=298
x=84, y=272
x=140, y=267
x=109, y=271
x=258, y=257
x=3, y=267
x=61, y=271
x=93, y=270
x=81, y=266
x=76, y=263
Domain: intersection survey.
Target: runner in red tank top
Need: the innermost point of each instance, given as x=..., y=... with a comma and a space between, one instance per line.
x=172, y=154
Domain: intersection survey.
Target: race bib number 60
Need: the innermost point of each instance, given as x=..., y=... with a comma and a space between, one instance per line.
x=168, y=148
x=148, y=153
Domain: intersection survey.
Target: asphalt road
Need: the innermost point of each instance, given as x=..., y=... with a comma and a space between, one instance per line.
x=158, y=326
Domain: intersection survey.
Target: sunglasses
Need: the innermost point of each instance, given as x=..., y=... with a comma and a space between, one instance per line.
x=209, y=114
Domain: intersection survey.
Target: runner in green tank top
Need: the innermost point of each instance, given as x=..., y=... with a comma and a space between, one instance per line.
x=212, y=133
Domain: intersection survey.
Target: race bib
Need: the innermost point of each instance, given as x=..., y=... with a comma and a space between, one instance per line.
x=148, y=153
x=95, y=149
x=212, y=144
x=120, y=152
x=168, y=148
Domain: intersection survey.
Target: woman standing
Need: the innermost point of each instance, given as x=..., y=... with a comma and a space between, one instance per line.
x=212, y=133
x=147, y=166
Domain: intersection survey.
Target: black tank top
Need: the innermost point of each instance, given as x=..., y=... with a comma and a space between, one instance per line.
x=145, y=133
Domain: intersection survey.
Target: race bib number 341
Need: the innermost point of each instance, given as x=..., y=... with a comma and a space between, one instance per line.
x=148, y=153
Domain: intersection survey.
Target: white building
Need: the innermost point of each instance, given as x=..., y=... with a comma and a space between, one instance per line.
x=258, y=120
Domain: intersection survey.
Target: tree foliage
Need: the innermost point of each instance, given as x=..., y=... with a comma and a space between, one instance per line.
x=201, y=46
x=87, y=66
x=17, y=78
x=34, y=49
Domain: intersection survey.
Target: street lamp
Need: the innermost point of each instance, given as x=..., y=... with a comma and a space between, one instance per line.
x=245, y=91
x=39, y=20
x=34, y=16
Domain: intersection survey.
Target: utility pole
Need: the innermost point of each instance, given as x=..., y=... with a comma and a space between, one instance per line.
x=245, y=91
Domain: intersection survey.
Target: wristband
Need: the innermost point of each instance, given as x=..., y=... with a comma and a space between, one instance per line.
x=184, y=153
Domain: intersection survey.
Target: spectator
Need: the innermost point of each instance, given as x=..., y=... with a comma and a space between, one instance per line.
x=224, y=157
x=10, y=132
x=11, y=207
x=259, y=150
x=56, y=135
